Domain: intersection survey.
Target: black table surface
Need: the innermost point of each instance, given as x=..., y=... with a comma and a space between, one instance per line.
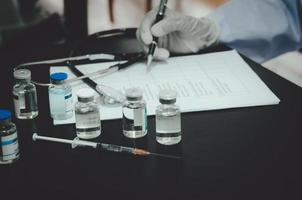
x=244, y=153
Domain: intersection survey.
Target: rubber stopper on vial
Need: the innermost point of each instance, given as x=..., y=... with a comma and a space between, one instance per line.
x=167, y=96
x=85, y=95
x=134, y=94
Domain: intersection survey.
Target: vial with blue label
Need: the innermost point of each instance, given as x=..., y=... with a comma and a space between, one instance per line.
x=25, y=95
x=168, y=119
x=9, y=148
x=134, y=114
x=60, y=97
x=87, y=115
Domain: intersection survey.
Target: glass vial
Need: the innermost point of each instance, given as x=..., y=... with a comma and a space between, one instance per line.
x=134, y=114
x=60, y=97
x=25, y=95
x=9, y=148
x=168, y=119
x=87, y=115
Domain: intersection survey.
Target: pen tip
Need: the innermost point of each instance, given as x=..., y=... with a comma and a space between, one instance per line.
x=149, y=60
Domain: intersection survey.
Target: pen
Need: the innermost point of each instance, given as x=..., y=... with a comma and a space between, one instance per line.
x=160, y=15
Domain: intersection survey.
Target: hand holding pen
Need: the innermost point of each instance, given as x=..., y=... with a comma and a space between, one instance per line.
x=177, y=33
x=160, y=15
x=145, y=35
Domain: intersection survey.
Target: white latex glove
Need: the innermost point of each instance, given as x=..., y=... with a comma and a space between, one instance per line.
x=177, y=33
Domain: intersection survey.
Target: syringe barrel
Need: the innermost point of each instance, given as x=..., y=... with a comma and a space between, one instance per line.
x=117, y=148
x=85, y=143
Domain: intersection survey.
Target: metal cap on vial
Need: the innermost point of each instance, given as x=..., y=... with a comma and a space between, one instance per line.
x=22, y=74
x=134, y=94
x=167, y=96
x=85, y=95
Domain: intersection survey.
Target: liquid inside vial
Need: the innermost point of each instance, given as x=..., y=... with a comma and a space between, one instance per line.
x=168, y=128
x=134, y=121
x=25, y=101
x=88, y=123
x=60, y=100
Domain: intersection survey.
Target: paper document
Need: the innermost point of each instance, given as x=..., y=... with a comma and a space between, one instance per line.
x=203, y=82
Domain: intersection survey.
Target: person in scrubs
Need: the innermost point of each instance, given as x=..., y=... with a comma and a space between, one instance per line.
x=259, y=29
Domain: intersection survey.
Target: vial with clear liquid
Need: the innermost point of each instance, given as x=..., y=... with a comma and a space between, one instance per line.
x=9, y=148
x=168, y=119
x=60, y=97
x=134, y=114
x=25, y=95
x=87, y=115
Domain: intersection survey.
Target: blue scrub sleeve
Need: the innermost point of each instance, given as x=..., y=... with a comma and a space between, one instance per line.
x=260, y=29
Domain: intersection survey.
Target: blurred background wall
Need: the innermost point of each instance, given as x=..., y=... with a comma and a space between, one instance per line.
x=108, y=14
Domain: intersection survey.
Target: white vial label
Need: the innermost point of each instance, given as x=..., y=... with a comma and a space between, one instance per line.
x=16, y=104
x=10, y=147
x=22, y=101
x=19, y=101
x=68, y=102
x=134, y=122
x=138, y=115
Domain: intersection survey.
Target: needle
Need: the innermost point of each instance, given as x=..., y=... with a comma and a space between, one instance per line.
x=166, y=156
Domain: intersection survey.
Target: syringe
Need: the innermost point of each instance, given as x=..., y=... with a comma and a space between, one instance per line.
x=108, y=147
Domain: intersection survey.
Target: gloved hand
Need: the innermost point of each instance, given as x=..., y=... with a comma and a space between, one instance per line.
x=177, y=33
